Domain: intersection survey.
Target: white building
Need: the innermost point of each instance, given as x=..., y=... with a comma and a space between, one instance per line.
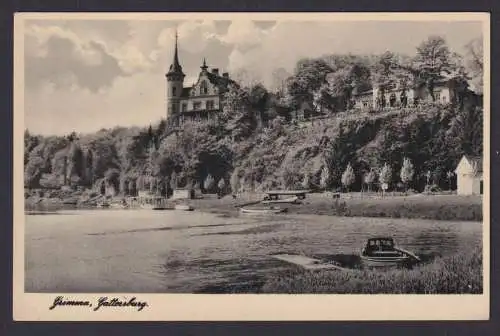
x=470, y=176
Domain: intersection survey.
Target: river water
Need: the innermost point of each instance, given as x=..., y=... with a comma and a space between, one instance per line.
x=171, y=251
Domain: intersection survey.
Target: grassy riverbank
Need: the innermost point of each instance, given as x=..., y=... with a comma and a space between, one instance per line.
x=437, y=207
x=456, y=274
x=417, y=206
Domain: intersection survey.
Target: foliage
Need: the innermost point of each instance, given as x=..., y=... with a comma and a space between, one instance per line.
x=209, y=182
x=284, y=152
x=348, y=176
x=407, y=171
x=325, y=178
x=385, y=175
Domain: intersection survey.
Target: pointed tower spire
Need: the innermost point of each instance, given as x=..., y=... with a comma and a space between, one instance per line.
x=204, y=66
x=176, y=68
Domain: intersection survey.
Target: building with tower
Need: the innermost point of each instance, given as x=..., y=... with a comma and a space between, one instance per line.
x=201, y=100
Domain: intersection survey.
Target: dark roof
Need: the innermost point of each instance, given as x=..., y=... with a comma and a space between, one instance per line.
x=220, y=80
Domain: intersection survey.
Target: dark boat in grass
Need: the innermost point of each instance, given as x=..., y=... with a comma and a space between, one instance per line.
x=383, y=252
x=263, y=211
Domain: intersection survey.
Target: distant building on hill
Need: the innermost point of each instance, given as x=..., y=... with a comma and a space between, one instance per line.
x=199, y=101
x=445, y=92
x=470, y=176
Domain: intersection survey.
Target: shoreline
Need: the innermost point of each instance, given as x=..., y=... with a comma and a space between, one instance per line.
x=430, y=207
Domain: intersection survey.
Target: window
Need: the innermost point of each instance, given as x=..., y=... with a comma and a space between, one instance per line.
x=174, y=90
x=210, y=104
x=196, y=106
x=437, y=96
x=203, y=88
x=184, y=107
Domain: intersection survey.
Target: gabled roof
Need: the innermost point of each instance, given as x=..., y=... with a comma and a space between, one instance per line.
x=476, y=162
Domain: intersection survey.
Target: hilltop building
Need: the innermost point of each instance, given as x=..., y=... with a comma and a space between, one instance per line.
x=445, y=92
x=199, y=101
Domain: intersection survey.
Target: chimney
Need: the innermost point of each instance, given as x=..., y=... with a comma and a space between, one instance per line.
x=215, y=71
x=225, y=75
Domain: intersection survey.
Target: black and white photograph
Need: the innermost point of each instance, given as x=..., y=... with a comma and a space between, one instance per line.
x=251, y=154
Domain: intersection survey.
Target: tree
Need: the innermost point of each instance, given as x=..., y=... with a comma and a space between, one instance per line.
x=112, y=177
x=370, y=179
x=432, y=59
x=124, y=186
x=407, y=172
x=235, y=181
x=449, y=176
x=132, y=188
x=474, y=60
x=221, y=185
x=75, y=163
x=306, y=181
x=33, y=172
x=173, y=181
x=209, y=182
x=325, y=178
x=348, y=177
x=385, y=176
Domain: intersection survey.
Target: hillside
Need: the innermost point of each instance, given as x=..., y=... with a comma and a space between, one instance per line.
x=278, y=156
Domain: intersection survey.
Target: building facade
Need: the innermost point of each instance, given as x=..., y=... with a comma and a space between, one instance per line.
x=470, y=176
x=393, y=96
x=202, y=100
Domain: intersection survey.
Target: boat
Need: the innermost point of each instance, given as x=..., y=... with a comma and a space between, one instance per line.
x=184, y=207
x=263, y=211
x=286, y=200
x=103, y=204
x=119, y=205
x=383, y=252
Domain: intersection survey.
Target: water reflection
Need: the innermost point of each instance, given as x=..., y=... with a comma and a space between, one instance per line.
x=144, y=251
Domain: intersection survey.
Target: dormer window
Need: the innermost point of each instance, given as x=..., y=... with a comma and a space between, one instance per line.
x=203, y=88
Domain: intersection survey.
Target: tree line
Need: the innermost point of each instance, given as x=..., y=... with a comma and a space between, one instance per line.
x=255, y=143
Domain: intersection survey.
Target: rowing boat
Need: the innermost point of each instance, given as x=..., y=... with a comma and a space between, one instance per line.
x=263, y=211
x=286, y=200
x=382, y=252
x=184, y=207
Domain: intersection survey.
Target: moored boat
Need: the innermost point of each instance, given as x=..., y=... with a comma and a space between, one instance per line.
x=294, y=199
x=263, y=211
x=383, y=252
x=103, y=204
x=184, y=207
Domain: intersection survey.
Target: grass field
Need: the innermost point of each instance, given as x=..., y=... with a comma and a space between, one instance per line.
x=457, y=274
x=438, y=207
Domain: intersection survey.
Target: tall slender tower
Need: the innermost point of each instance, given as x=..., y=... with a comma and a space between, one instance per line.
x=175, y=81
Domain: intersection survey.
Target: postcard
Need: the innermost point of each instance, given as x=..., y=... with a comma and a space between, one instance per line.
x=251, y=166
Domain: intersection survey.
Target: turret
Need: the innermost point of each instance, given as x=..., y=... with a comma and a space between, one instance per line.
x=175, y=82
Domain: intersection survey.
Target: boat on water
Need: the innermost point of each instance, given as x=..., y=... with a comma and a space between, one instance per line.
x=103, y=204
x=293, y=199
x=383, y=252
x=184, y=207
x=263, y=211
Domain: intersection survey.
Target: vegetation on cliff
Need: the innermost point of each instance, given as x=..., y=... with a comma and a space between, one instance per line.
x=256, y=143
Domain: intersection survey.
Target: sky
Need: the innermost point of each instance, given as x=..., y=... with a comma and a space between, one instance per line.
x=84, y=75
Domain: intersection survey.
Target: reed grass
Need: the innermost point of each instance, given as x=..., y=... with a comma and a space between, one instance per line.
x=456, y=274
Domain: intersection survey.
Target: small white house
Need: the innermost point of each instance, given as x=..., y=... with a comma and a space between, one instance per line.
x=470, y=176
